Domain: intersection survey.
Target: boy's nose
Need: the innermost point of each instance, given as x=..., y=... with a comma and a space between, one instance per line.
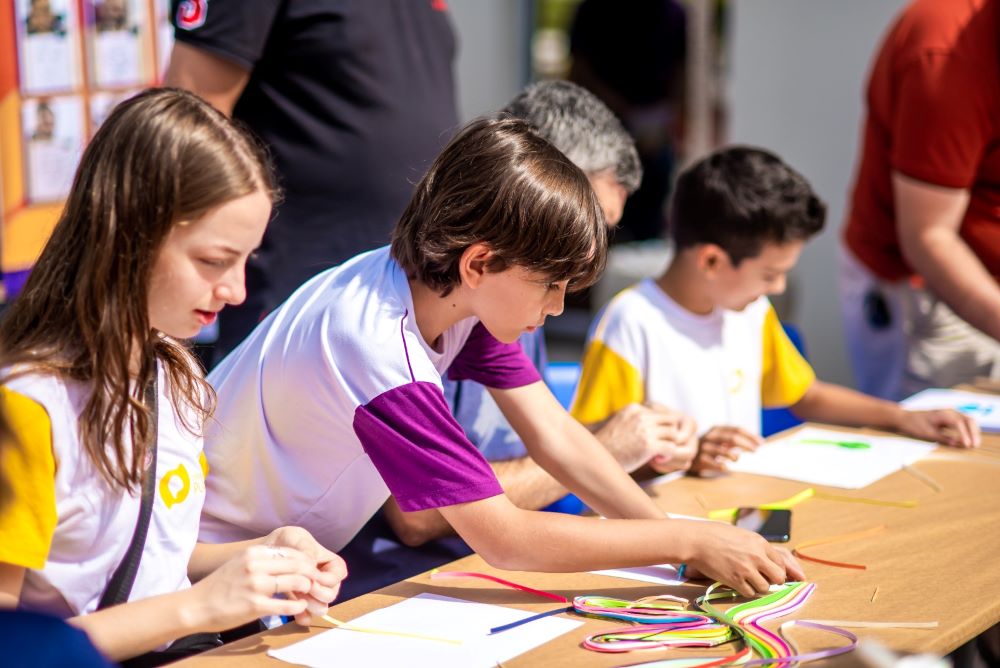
x=558, y=304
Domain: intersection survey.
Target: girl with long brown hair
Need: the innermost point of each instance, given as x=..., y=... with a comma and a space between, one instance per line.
x=168, y=202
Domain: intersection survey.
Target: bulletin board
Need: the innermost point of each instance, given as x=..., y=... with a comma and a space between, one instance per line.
x=64, y=64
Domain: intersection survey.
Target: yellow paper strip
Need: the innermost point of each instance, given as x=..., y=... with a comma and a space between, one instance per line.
x=728, y=513
x=922, y=477
x=346, y=626
x=861, y=499
x=810, y=493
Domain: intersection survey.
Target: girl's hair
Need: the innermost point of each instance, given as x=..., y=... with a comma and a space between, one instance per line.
x=499, y=183
x=162, y=157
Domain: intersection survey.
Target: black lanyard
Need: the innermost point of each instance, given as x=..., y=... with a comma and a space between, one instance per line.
x=120, y=585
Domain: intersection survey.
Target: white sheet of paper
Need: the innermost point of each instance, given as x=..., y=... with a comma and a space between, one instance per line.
x=795, y=458
x=983, y=408
x=664, y=574
x=432, y=615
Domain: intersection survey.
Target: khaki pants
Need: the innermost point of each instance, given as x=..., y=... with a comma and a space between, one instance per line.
x=920, y=343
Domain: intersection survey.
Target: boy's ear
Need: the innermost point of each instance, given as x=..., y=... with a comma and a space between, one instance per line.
x=472, y=266
x=710, y=258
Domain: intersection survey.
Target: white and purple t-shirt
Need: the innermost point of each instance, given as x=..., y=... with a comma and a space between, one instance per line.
x=335, y=400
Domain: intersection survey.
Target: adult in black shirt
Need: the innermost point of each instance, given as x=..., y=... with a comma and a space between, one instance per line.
x=354, y=98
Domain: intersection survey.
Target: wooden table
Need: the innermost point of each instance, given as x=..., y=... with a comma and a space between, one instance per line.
x=937, y=562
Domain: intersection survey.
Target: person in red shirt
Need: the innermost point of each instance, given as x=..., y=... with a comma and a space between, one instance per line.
x=919, y=273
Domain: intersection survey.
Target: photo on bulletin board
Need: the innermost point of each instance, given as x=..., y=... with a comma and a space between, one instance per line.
x=53, y=143
x=117, y=37
x=101, y=105
x=48, y=45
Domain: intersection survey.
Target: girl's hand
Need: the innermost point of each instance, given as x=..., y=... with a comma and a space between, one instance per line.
x=721, y=445
x=330, y=567
x=741, y=559
x=945, y=426
x=244, y=588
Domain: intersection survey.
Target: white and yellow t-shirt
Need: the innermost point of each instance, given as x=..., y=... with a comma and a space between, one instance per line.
x=718, y=368
x=66, y=526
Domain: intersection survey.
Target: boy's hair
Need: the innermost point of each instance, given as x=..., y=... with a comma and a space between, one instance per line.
x=739, y=199
x=577, y=123
x=161, y=158
x=499, y=183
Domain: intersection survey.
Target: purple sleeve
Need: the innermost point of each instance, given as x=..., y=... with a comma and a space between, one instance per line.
x=421, y=451
x=488, y=362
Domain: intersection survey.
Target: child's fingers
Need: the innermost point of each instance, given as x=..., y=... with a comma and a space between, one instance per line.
x=955, y=429
x=711, y=462
x=719, y=451
x=329, y=580
x=969, y=428
x=793, y=570
x=332, y=571
x=324, y=593
x=734, y=437
x=280, y=561
x=745, y=440
x=285, y=583
x=286, y=607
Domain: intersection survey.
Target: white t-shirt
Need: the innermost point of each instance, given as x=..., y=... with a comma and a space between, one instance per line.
x=719, y=368
x=95, y=523
x=335, y=399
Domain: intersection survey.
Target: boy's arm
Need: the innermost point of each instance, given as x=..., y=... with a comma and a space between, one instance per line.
x=525, y=483
x=628, y=435
x=574, y=457
x=510, y=538
x=834, y=404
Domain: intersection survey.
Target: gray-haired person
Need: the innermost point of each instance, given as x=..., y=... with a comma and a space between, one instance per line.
x=591, y=136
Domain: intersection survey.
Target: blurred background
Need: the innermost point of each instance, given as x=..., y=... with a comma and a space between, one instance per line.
x=685, y=76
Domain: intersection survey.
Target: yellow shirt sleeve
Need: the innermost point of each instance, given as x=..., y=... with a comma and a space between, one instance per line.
x=608, y=383
x=28, y=521
x=785, y=374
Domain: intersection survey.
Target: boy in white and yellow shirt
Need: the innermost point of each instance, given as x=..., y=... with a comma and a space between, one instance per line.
x=703, y=337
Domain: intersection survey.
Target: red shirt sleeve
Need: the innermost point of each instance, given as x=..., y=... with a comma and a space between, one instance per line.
x=942, y=125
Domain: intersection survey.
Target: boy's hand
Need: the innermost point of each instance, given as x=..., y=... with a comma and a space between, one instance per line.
x=721, y=445
x=636, y=434
x=330, y=568
x=945, y=426
x=741, y=559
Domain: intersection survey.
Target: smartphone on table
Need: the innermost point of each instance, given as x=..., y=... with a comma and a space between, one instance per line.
x=773, y=525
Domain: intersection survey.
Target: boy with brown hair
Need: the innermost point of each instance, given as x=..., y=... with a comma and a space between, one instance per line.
x=335, y=399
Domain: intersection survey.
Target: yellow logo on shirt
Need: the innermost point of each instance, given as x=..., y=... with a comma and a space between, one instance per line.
x=736, y=382
x=183, y=486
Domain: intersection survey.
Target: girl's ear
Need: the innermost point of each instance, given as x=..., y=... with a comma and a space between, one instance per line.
x=472, y=266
